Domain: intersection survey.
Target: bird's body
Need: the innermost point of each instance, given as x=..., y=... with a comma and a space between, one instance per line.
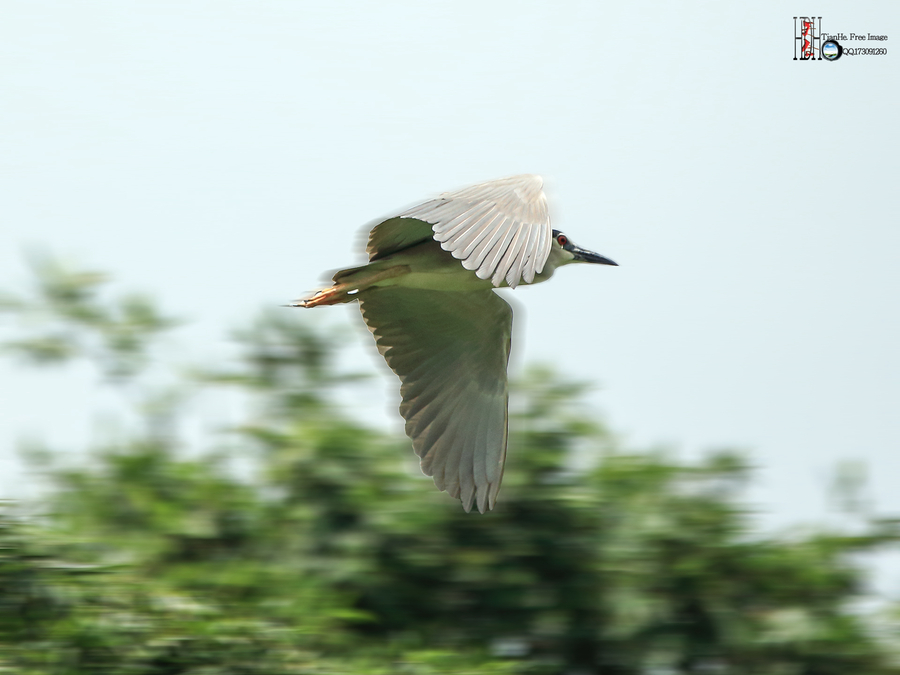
x=424, y=265
x=426, y=295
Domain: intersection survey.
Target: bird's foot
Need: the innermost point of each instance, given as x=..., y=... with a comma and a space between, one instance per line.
x=327, y=296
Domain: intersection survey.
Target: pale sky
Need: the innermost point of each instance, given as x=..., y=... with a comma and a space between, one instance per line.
x=223, y=155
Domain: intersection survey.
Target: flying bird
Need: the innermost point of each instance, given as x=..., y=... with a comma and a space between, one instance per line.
x=427, y=296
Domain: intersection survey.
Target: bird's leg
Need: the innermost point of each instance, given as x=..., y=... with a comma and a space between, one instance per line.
x=351, y=282
x=327, y=296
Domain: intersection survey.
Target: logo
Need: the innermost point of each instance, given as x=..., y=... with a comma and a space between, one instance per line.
x=807, y=39
x=832, y=50
x=811, y=44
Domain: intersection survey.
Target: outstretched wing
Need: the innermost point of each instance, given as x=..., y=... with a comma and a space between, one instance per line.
x=499, y=229
x=450, y=350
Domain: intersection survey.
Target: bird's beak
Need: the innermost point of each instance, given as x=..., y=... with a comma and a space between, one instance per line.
x=583, y=255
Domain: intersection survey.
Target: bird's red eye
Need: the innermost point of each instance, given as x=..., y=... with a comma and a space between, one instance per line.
x=562, y=240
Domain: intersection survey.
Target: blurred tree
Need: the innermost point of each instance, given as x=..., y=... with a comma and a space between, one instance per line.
x=65, y=317
x=337, y=556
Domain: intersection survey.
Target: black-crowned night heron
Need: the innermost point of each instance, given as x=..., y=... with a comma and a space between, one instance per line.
x=426, y=295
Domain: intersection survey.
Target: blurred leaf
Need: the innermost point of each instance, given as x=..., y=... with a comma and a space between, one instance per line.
x=66, y=317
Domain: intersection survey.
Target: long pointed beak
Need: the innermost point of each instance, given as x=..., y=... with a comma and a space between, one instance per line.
x=583, y=255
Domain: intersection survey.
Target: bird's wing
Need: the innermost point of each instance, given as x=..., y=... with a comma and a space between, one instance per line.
x=499, y=229
x=450, y=350
x=396, y=234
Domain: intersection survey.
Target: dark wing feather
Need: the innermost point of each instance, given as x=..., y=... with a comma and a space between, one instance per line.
x=396, y=234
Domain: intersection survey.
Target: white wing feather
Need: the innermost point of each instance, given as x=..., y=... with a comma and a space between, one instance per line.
x=499, y=229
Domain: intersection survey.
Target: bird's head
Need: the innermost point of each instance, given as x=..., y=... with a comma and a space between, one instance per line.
x=563, y=251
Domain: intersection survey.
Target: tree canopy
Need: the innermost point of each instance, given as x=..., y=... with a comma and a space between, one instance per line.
x=332, y=554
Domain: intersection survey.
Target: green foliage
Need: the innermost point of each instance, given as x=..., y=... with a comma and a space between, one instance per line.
x=336, y=556
x=66, y=317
